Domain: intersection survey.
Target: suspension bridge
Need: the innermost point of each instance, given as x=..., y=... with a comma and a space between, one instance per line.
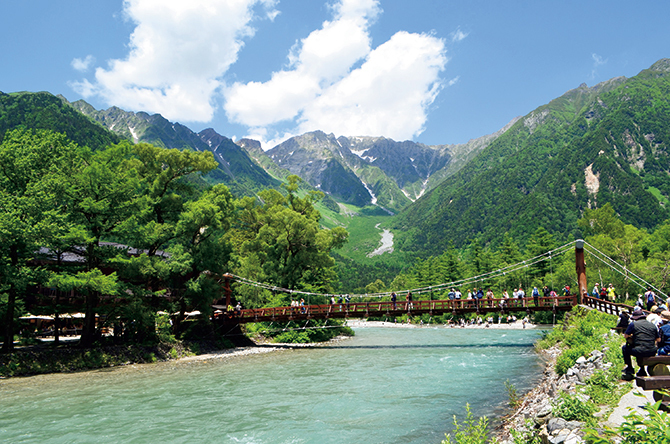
x=384, y=307
x=380, y=308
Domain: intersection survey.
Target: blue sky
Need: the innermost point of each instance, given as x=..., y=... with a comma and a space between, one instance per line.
x=432, y=71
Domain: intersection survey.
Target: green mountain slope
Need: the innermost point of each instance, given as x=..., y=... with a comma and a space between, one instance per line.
x=590, y=146
x=236, y=169
x=43, y=110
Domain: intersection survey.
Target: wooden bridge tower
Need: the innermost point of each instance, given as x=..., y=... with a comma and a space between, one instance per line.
x=580, y=266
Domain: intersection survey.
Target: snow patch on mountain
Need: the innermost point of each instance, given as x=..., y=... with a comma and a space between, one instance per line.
x=374, y=198
x=136, y=138
x=423, y=188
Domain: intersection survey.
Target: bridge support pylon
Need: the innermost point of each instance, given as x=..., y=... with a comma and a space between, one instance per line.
x=580, y=267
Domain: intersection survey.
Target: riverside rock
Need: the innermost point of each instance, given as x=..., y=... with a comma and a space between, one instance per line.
x=538, y=403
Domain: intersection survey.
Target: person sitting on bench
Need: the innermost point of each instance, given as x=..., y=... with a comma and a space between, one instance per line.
x=641, y=340
x=664, y=330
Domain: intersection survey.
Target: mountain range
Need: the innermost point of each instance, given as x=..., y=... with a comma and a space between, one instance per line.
x=359, y=171
x=591, y=146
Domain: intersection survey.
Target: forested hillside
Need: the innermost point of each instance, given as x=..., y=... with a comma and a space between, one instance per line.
x=592, y=146
x=45, y=111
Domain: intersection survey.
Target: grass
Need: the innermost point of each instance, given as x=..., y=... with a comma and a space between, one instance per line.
x=658, y=195
x=364, y=236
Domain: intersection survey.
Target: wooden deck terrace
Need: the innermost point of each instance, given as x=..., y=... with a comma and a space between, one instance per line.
x=399, y=308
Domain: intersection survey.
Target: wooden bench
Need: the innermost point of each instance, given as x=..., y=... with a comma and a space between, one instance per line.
x=659, y=379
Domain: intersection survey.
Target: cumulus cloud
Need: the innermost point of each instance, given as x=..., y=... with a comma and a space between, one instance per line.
x=323, y=57
x=178, y=52
x=388, y=95
x=323, y=88
x=334, y=80
x=82, y=65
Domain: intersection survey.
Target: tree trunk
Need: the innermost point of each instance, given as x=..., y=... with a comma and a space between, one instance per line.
x=8, y=344
x=88, y=331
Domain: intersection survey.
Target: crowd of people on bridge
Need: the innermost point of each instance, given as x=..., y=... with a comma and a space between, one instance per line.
x=600, y=291
x=477, y=297
x=473, y=297
x=647, y=333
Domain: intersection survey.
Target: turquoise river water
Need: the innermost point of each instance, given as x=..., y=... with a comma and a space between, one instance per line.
x=385, y=385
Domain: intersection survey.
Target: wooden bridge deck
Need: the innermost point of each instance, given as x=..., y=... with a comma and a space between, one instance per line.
x=388, y=308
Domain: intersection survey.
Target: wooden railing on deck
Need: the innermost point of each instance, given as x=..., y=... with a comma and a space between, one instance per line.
x=605, y=306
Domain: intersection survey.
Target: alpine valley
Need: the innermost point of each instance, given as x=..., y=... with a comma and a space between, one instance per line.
x=608, y=143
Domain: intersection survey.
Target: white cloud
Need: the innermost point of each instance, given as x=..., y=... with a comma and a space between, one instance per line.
x=335, y=80
x=82, y=65
x=458, y=35
x=178, y=52
x=324, y=56
x=388, y=94
x=597, y=61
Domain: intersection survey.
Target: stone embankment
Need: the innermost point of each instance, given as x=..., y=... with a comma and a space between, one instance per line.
x=536, y=406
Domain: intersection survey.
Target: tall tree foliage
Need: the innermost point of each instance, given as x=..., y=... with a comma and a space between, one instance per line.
x=30, y=162
x=280, y=242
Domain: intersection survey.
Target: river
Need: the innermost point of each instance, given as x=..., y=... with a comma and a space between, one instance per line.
x=384, y=385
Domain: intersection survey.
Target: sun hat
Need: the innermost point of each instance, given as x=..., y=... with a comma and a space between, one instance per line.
x=638, y=314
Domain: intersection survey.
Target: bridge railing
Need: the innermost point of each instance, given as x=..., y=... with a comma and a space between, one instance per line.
x=605, y=306
x=379, y=308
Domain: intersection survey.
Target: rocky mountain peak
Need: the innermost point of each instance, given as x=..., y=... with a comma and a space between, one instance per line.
x=662, y=65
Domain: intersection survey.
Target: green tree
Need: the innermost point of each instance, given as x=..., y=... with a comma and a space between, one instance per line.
x=281, y=242
x=30, y=162
x=179, y=232
x=101, y=195
x=601, y=221
x=539, y=243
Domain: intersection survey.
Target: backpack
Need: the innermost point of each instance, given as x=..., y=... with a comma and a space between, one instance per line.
x=650, y=297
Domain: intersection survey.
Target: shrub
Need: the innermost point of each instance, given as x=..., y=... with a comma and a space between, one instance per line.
x=654, y=427
x=471, y=431
x=604, y=388
x=580, y=333
x=571, y=408
x=526, y=435
x=514, y=398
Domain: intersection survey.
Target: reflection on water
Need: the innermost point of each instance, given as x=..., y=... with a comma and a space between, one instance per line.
x=384, y=385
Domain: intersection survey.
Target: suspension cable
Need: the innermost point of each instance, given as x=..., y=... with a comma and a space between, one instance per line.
x=489, y=275
x=625, y=269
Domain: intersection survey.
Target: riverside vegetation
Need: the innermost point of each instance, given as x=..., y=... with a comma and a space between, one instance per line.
x=132, y=230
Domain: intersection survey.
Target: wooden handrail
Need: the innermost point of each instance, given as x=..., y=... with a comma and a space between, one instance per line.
x=382, y=308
